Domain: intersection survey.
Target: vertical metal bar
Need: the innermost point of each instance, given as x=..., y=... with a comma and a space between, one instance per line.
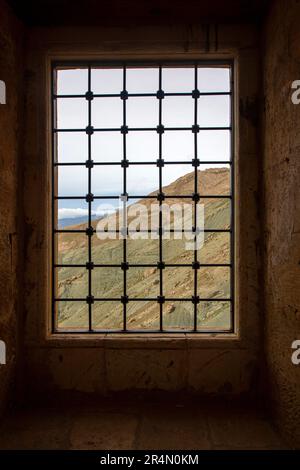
x=53, y=200
x=90, y=203
x=160, y=205
x=196, y=192
x=124, y=203
x=232, y=201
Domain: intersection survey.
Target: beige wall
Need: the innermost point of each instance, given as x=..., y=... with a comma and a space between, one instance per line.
x=282, y=212
x=10, y=134
x=108, y=363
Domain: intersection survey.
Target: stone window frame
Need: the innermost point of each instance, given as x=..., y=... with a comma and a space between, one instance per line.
x=196, y=357
x=200, y=62
x=234, y=42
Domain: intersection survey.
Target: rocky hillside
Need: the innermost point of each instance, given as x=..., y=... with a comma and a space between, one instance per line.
x=213, y=282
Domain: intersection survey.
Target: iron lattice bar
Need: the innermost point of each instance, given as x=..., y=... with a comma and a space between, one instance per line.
x=161, y=292
x=144, y=95
x=143, y=129
x=142, y=265
x=208, y=230
x=182, y=162
x=124, y=163
x=195, y=192
x=166, y=196
x=147, y=299
x=125, y=206
x=89, y=234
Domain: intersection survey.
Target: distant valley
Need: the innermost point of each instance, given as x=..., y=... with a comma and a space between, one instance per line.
x=63, y=223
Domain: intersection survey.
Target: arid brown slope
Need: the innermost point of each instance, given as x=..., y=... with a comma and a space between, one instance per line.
x=213, y=282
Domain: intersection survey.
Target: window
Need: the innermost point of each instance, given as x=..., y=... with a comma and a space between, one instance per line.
x=143, y=197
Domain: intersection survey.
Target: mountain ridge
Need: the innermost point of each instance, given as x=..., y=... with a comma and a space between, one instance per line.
x=144, y=282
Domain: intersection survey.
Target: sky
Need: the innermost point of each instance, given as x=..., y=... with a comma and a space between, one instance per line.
x=142, y=146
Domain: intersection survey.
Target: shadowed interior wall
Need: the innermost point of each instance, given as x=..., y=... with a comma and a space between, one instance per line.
x=105, y=363
x=214, y=365
x=282, y=211
x=11, y=34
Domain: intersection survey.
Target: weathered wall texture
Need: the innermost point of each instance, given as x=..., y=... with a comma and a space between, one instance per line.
x=10, y=129
x=106, y=363
x=282, y=211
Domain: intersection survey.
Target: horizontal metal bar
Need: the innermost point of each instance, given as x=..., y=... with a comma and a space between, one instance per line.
x=201, y=128
x=167, y=265
x=69, y=231
x=142, y=95
x=209, y=230
x=84, y=197
x=145, y=129
x=173, y=162
x=150, y=299
x=202, y=265
x=138, y=196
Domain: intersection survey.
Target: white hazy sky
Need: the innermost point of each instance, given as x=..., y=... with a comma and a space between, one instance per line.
x=141, y=112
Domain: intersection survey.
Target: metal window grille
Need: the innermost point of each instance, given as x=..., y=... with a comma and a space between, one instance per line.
x=124, y=162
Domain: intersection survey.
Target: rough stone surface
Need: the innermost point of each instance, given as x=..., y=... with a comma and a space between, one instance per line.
x=10, y=210
x=226, y=432
x=282, y=212
x=173, y=428
x=135, y=12
x=139, y=424
x=106, y=364
x=103, y=431
x=118, y=363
